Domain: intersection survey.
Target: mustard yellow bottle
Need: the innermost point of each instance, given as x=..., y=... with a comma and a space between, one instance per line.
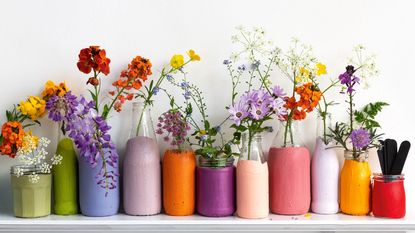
x=355, y=184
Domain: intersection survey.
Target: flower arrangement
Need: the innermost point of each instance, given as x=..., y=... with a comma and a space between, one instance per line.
x=302, y=68
x=24, y=115
x=255, y=106
x=360, y=131
x=33, y=153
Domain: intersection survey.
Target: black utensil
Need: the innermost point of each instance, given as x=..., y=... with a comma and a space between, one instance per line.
x=385, y=156
x=400, y=159
x=380, y=156
x=391, y=154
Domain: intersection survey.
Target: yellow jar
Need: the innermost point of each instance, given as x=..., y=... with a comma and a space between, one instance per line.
x=355, y=184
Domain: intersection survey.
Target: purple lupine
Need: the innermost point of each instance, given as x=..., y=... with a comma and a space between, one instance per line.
x=349, y=79
x=360, y=138
x=174, y=126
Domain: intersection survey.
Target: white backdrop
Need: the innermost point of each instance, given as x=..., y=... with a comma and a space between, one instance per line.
x=40, y=41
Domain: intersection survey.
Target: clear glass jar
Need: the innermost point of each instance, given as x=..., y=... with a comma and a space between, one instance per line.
x=31, y=196
x=252, y=148
x=288, y=135
x=217, y=162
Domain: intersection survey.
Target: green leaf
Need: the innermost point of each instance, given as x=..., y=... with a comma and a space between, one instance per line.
x=94, y=97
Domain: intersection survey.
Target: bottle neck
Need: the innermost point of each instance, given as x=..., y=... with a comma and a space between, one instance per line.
x=142, y=123
x=252, y=148
x=323, y=127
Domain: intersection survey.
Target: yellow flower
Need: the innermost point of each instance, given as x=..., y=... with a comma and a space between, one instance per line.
x=202, y=132
x=51, y=89
x=34, y=107
x=193, y=56
x=177, y=61
x=320, y=69
x=304, y=75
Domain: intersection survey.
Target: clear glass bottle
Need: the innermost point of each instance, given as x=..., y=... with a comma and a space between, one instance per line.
x=324, y=123
x=288, y=135
x=142, y=166
x=252, y=179
x=252, y=148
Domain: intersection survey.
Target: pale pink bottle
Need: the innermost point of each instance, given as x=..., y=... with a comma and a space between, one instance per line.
x=142, y=166
x=252, y=180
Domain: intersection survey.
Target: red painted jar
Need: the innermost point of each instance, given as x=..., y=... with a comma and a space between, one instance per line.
x=388, y=196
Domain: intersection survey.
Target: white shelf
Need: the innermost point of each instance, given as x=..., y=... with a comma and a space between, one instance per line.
x=164, y=223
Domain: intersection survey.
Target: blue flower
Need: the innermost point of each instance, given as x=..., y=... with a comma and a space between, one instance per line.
x=184, y=85
x=242, y=68
x=187, y=95
x=226, y=62
x=155, y=90
x=169, y=77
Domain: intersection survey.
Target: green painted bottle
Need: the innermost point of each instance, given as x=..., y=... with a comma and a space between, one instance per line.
x=65, y=179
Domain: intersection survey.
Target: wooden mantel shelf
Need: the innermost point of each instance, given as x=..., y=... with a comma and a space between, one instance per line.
x=164, y=223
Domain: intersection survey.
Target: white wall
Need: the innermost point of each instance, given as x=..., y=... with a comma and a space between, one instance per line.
x=40, y=40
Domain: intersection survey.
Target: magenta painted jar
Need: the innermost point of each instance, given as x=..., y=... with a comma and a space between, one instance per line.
x=215, y=187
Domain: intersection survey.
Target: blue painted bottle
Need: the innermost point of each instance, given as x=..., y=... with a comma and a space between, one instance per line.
x=94, y=200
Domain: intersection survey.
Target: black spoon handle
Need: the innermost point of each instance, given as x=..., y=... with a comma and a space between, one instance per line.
x=400, y=159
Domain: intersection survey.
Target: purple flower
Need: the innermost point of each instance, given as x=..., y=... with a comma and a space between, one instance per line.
x=184, y=85
x=360, y=138
x=226, y=62
x=90, y=134
x=279, y=109
x=62, y=107
x=174, y=126
x=238, y=113
x=278, y=91
x=169, y=77
x=155, y=90
x=259, y=112
x=187, y=94
x=349, y=79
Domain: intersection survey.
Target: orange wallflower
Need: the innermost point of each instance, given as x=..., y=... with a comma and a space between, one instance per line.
x=309, y=98
x=51, y=89
x=131, y=78
x=12, y=134
x=93, y=58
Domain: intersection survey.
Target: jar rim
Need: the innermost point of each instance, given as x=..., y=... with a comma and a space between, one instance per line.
x=390, y=177
x=217, y=162
x=26, y=169
x=362, y=155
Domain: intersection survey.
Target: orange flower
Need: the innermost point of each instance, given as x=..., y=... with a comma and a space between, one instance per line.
x=51, y=89
x=131, y=78
x=309, y=98
x=93, y=58
x=12, y=134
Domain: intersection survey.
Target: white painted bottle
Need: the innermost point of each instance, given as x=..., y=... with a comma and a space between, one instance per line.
x=324, y=173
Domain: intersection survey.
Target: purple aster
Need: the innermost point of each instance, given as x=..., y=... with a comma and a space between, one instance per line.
x=360, y=138
x=278, y=91
x=349, y=79
x=238, y=112
x=259, y=112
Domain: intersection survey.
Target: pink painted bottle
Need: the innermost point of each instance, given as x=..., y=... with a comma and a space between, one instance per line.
x=252, y=200
x=142, y=166
x=289, y=173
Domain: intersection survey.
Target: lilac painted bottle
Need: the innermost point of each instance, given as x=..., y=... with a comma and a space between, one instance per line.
x=215, y=187
x=93, y=199
x=142, y=166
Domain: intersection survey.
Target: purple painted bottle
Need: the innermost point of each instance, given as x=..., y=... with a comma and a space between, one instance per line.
x=215, y=187
x=93, y=199
x=142, y=166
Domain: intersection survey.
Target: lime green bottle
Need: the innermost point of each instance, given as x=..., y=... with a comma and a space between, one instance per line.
x=65, y=179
